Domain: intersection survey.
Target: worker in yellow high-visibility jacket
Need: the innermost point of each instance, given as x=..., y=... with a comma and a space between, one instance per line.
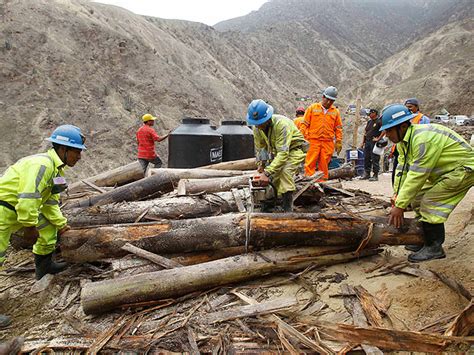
x=280, y=149
x=29, y=197
x=435, y=171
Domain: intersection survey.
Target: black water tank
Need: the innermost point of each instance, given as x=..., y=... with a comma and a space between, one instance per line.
x=194, y=143
x=238, y=140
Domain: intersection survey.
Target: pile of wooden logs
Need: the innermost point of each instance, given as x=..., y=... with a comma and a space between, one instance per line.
x=201, y=217
x=176, y=247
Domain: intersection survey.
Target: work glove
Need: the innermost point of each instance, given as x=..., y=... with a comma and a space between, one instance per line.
x=338, y=146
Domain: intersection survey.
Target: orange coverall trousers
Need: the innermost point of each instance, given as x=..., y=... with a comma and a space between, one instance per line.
x=319, y=155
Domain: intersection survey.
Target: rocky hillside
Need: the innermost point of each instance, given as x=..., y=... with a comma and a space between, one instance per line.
x=101, y=67
x=368, y=31
x=438, y=69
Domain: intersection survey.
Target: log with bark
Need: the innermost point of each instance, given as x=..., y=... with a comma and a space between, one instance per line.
x=119, y=176
x=152, y=210
x=345, y=171
x=149, y=187
x=213, y=233
x=98, y=297
x=391, y=339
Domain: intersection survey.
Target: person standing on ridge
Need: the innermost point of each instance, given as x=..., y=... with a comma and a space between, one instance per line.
x=146, y=138
x=323, y=125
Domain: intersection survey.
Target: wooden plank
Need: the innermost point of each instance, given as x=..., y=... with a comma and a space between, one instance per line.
x=318, y=175
x=157, y=259
x=249, y=311
x=353, y=306
x=289, y=330
x=368, y=305
x=396, y=340
x=94, y=186
x=463, y=324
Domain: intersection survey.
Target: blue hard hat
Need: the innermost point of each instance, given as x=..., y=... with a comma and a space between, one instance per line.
x=69, y=136
x=259, y=112
x=394, y=115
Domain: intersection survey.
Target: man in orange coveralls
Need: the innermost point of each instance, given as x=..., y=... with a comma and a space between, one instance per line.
x=323, y=124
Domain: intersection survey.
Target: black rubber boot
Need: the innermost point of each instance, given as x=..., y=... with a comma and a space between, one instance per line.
x=287, y=201
x=5, y=321
x=366, y=176
x=375, y=177
x=413, y=247
x=44, y=264
x=434, y=239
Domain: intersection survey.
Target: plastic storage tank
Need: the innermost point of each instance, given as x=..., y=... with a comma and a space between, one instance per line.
x=237, y=140
x=194, y=143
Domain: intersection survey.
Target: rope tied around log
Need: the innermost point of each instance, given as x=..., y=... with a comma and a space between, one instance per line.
x=366, y=240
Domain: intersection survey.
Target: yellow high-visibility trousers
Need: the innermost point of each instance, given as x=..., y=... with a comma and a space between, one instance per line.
x=46, y=242
x=284, y=180
x=435, y=201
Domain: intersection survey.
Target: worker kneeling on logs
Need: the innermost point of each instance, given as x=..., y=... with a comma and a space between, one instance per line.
x=435, y=171
x=29, y=197
x=280, y=149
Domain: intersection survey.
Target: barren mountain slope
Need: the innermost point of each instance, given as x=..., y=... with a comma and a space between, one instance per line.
x=367, y=31
x=438, y=69
x=101, y=67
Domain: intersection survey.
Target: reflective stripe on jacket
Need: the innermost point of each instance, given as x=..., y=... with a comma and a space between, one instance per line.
x=27, y=184
x=283, y=136
x=426, y=153
x=323, y=126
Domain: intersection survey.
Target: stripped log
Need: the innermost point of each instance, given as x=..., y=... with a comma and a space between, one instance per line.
x=162, y=208
x=196, y=186
x=243, y=164
x=213, y=233
x=198, y=173
x=119, y=176
x=97, y=297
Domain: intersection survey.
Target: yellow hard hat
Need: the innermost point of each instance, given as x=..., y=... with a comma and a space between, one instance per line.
x=147, y=117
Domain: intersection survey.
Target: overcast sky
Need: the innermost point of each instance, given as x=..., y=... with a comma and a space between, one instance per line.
x=209, y=12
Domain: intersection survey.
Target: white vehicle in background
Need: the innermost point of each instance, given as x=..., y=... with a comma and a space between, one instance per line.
x=441, y=119
x=459, y=119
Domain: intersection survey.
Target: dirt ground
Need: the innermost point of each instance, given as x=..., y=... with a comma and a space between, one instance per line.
x=415, y=302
